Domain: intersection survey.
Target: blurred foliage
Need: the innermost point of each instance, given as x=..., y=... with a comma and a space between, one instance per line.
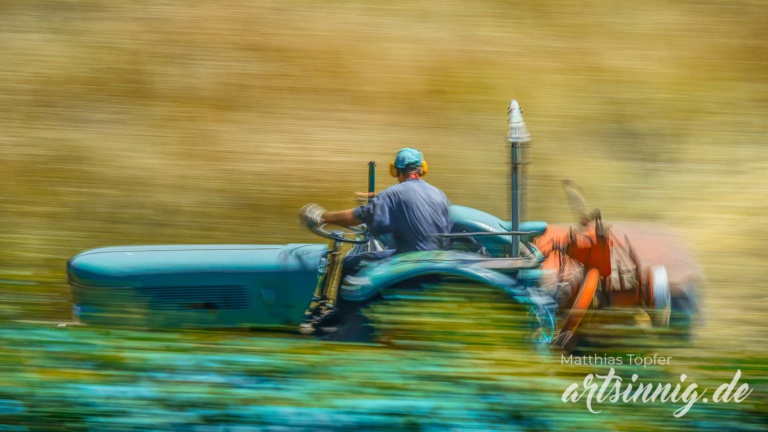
x=142, y=122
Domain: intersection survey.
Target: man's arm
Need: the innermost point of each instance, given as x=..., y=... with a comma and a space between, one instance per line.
x=341, y=217
x=314, y=215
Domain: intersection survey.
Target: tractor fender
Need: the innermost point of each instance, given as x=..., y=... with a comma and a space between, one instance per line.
x=378, y=275
x=468, y=219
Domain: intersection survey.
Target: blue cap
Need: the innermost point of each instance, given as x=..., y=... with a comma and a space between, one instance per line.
x=408, y=158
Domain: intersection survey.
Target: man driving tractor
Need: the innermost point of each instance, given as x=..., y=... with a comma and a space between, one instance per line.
x=413, y=211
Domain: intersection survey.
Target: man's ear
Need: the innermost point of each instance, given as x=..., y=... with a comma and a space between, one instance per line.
x=424, y=168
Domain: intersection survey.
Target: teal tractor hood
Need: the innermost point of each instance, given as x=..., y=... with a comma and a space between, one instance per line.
x=210, y=286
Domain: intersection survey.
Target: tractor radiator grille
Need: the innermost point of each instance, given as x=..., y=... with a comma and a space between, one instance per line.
x=195, y=297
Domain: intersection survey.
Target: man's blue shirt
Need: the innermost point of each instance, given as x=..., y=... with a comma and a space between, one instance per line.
x=413, y=212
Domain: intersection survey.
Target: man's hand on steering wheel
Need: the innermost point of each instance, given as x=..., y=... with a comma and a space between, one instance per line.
x=312, y=215
x=317, y=219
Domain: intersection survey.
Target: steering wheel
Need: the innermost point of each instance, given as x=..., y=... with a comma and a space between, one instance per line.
x=342, y=234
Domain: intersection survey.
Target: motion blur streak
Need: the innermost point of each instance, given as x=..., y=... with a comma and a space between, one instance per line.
x=140, y=122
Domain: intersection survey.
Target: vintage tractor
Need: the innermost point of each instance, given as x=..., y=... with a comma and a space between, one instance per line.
x=559, y=274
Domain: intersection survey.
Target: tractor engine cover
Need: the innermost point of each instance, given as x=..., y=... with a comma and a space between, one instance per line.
x=196, y=285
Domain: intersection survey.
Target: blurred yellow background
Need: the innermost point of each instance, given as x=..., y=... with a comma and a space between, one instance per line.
x=150, y=122
x=213, y=122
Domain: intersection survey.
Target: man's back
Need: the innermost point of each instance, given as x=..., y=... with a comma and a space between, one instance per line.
x=413, y=212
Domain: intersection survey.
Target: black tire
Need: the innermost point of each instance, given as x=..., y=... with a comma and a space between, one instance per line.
x=685, y=312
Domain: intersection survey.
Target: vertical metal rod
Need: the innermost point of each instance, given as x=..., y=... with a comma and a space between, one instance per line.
x=523, y=184
x=371, y=179
x=518, y=134
x=372, y=245
x=515, y=197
